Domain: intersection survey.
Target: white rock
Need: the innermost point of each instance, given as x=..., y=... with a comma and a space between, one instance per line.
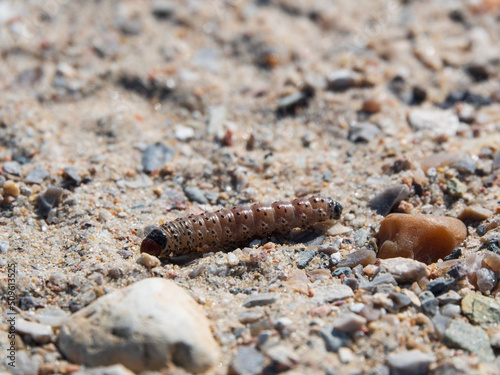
x=333, y=293
x=144, y=327
x=183, y=133
x=148, y=260
x=413, y=362
x=109, y=370
x=40, y=333
x=404, y=270
x=52, y=316
x=434, y=121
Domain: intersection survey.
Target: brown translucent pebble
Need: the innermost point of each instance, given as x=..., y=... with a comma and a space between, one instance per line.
x=437, y=160
x=475, y=213
x=492, y=260
x=421, y=237
x=371, y=105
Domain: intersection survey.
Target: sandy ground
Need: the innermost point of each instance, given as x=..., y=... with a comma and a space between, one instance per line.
x=246, y=99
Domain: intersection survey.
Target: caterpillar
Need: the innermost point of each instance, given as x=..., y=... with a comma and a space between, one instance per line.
x=228, y=228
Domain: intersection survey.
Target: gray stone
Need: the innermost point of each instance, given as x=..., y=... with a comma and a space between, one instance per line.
x=247, y=361
x=413, y=362
x=496, y=160
x=12, y=167
x=429, y=303
x=385, y=201
x=155, y=156
x=195, y=195
x=341, y=80
x=381, y=279
x=465, y=336
x=72, y=176
x=261, y=299
x=402, y=300
x=360, y=237
x=36, y=176
x=327, y=294
x=48, y=200
x=40, y=333
x=363, y=132
x=52, y=316
x=440, y=285
x=283, y=357
x=435, y=122
x=486, y=280
x=304, y=257
x=404, y=270
x=333, y=339
x=450, y=310
x=162, y=8
x=465, y=165
x=143, y=326
x=449, y=297
x=26, y=363
x=341, y=271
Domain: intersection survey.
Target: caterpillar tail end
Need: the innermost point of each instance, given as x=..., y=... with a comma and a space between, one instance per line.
x=154, y=243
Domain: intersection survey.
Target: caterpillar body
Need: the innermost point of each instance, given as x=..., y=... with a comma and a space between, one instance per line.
x=231, y=227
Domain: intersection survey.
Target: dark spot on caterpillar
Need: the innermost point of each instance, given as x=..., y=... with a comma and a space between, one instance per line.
x=239, y=225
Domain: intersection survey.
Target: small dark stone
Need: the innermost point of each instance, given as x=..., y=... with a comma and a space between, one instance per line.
x=459, y=271
x=48, y=200
x=288, y=105
x=195, y=195
x=26, y=303
x=155, y=156
x=430, y=304
x=440, y=285
x=125, y=254
x=478, y=72
x=247, y=361
x=455, y=254
x=260, y=299
x=384, y=202
x=341, y=80
x=352, y=283
x=74, y=306
x=162, y=9
x=304, y=257
x=72, y=177
x=402, y=300
x=363, y=132
x=464, y=97
x=496, y=160
x=346, y=271
x=12, y=167
x=334, y=340
x=379, y=280
x=36, y=176
x=418, y=95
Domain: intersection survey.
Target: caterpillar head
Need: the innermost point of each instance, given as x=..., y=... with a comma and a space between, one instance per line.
x=154, y=243
x=329, y=208
x=335, y=210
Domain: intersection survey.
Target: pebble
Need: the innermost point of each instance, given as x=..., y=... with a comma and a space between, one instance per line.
x=384, y=280
x=492, y=260
x=361, y=256
x=335, y=259
x=261, y=299
x=473, y=339
x=449, y=297
x=247, y=361
x=298, y=281
x=451, y=310
x=429, y=303
x=363, y=132
x=404, y=270
x=147, y=260
x=328, y=294
x=455, y=187
x=422, y=237
x=346, y=355
x=304, y=257
x=143, y=326
x=440, y=285
x=72, y=176
x=474, y=213
x=385, y=201
x=162, y=8
x=26, y=364
x=401, y=300
x=412, y=362
x=360, y=237
x=48, y=200
x=10, y=188
x=435, y=122
x=480, y=309
x=283, y=357
x=52, y=316
x=349, y=322
x=486, y=280
x=40, y=333
x=156, y=156
x=4, y=246
x=465, y=165
x=341, y=80
x=250, y=316
x=107, y=370
x=496, y=160
x=183, y=133
x=334, y=339
x=342, y=271
x=12, y=167
x=289, y=103
x=195, y=195
x=371, y=106
x=36, y=176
